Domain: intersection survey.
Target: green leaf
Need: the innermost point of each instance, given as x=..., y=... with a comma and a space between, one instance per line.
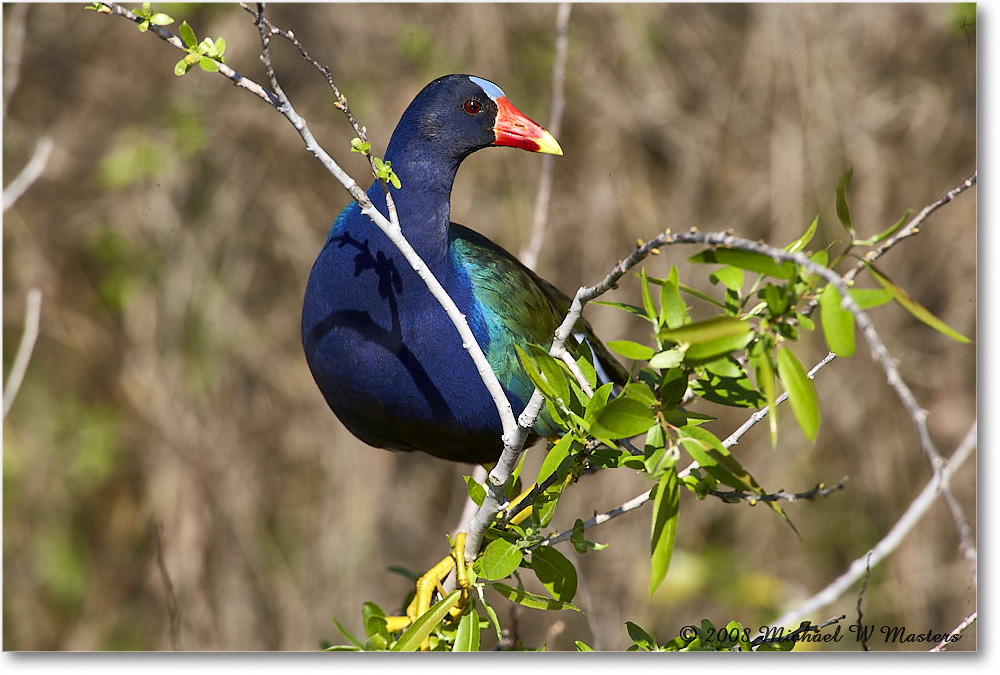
x=764, y=374
x=706, y=449
x=843, y=208
x=639, y=636
x=708, y=351
x=555, y=571
x=707, y=330
x=730, y=277
x=803, y=241
x=477, y=492
x=801, y=393
x=748, y=260
x=412, y=638
x=673, y=311
x=500, y=559
x=671, y=358
x=625, y=307
x=647, y=297
x=187, y=35
x=552, y=371
x=582, y=646
x=181, y=67
x=530, y=600
x=580, y=544
x=916, y=309
x=871, y=241
x=838, y=323
x=622, y=418
x=467, y=633
x=631, y=350
x=597, y=402
x=357, y=145
x=866, y=298
x=556, y=456
x=489, y=610
x=664, y=527
x=534, y=374
x=208, y=65
x=161, y=19
x=343, y=631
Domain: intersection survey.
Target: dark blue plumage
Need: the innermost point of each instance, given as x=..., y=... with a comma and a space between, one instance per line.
x=382, y=350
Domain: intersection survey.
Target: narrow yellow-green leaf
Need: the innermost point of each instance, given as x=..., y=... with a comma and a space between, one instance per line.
x=707, y=330
x=764, y=372
x=838, y=323
x=801, y=393
x=631, y=350
x=803, y=241
x=843, y=208
x=748, y=260
x=528, y=599
x=555, y=571
x=673, y=311
x=916, y=309
x=866, y=298
x=467, y=633
x=411, y=639
x=647, y=297
x=622, y=418
x=712, y=349
x=663, y=528
x=187, y=35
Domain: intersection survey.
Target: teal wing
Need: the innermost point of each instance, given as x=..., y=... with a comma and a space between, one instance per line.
x=518, y=308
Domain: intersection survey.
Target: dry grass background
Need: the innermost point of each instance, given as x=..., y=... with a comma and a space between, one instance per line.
x=176, y=224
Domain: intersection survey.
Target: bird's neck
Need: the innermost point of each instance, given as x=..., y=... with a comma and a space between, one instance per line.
x=423, y=200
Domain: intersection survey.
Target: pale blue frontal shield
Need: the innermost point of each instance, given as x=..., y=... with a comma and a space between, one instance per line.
x=493, y=91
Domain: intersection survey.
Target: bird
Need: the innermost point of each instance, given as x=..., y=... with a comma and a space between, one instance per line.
x=381, y=349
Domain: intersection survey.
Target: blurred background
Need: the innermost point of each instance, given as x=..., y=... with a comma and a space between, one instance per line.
x=168, y=427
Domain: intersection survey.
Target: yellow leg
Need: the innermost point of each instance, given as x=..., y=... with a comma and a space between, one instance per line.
x=431, y=581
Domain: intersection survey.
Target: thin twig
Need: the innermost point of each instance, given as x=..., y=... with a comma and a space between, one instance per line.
x=529, y=254
x=918, y=507
x=861, y=598
x=173, y=612
x=953, y=635
x=13, y=51
x=32, y=314
x=735, y=437
x=31, y=172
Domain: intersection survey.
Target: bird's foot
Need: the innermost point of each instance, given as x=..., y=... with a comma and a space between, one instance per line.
x=432, y=581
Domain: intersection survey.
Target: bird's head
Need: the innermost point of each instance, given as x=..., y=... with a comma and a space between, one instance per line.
x=459, y=114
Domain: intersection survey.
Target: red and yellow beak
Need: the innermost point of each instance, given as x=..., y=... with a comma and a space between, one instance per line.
x=514, y=129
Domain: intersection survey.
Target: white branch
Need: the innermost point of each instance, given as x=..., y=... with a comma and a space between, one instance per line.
x=32, y=314
x=32, y=171
x=890, y=541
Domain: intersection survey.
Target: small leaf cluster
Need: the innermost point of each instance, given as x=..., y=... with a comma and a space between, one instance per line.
x=382, y=169
x=207, y=54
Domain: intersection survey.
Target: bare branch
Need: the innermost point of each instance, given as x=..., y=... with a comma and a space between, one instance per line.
x=953, y=635
x=918, y=507
x=173, y=612
x=31, y=172
x=529, y=254
x=32, y=314
x=13, y=51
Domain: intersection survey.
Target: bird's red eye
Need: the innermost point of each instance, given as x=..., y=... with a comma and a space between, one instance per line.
x=472, y=106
